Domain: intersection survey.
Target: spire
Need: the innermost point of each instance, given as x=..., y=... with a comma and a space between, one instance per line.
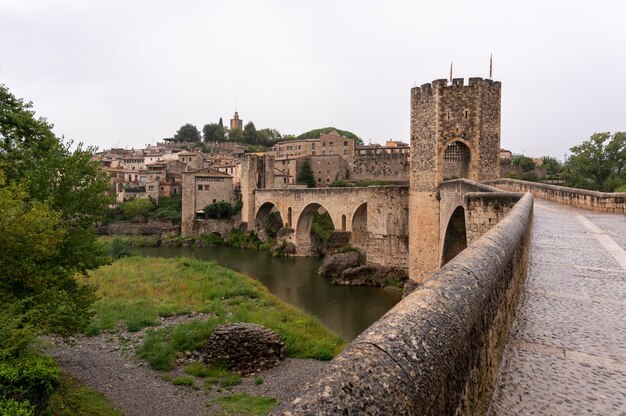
x=451, y=71
x=491, y=66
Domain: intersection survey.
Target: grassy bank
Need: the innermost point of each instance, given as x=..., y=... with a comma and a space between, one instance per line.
x=135, y=291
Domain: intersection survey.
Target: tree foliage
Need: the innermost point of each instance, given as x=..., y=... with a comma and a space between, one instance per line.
x=137, y=207
x=598, y=163
x=313, y=134
x=50, y=197
x=305, y=175
x=552, y=166
x=524, y=162
x=213, y=132
x=187, y=133
x=249, y=133
x=222, y=209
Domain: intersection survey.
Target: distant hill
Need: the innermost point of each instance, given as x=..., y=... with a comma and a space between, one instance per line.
x=313, y=134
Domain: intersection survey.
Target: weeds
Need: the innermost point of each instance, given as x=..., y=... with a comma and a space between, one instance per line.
x=244, y=404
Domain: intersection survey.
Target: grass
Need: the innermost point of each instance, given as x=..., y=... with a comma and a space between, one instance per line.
x=213, y=375
x=136, y=290
x=74, y=399
x=184, y=381
x=258, y=380
x=244, y=404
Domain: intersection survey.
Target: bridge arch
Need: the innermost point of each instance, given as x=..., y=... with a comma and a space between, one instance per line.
x=303, y=227
x=268, y=221
x=359, y=226
x=456, y=157
x=455, y=239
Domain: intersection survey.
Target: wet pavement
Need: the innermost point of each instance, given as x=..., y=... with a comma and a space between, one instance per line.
x=566, y=353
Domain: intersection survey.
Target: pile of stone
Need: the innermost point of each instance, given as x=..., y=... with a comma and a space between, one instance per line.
x=245, y=348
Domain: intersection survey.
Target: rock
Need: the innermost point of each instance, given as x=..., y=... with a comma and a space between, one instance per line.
x=290, y=249
x=335, y=264
x=245, y=348
x=409, y=287
x=372, y=275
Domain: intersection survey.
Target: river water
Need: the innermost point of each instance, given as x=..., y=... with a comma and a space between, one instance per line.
x=348, y=310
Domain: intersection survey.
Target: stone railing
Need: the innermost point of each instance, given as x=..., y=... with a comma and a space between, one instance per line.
x=437, y=352
x=579, y=198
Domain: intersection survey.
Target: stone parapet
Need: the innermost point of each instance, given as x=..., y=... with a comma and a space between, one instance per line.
x=438, y=350
x=614, y=202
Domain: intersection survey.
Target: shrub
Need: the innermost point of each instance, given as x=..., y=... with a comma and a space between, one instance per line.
x=222, y=209
x=13, y=408
x=29, y=377
x=119, y=247
x=338, y=183
x=183, y=381
x=168, y=209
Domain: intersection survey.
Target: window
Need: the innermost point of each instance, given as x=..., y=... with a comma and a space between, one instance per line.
x=323, y=144
x=214, y=201
x=345, y=143
x=323, y=152
x=345, y=151
x=199, y=187
x=319, y=179
x=162, y=188
x=313, y=152
x=466, y=114
x=327, y=179
x=312, y=145
x=151, y=188
x=331, y=144
x=331, y=152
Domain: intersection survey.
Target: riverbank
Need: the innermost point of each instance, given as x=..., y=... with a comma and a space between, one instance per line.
x=153, y=313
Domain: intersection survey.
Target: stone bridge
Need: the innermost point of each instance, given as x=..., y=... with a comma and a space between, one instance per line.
x=439, y=351
x=375, y=217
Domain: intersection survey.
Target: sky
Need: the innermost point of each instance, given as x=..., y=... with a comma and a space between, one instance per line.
x=129, y=73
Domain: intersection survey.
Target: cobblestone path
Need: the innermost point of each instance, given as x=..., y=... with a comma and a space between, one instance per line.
x=566, y=354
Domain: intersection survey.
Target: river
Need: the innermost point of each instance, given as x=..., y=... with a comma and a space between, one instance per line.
x=348, y=310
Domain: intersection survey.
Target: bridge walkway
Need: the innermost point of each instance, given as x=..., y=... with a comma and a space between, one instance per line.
x=566, y=354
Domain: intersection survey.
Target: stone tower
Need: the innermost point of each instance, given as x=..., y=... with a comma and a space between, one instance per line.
x=236, y=123
x=455, y=132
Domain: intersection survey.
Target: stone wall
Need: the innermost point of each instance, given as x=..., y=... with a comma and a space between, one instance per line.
x=382, y=167
x=131, y=228
x=580, y=198
x=438, y=351
x=209, y=226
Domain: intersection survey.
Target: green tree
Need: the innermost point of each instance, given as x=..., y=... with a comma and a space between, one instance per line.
x=524, y=162
x=305, y=174
x=235, y=135
x=552, y=166
x=316, y=133
x=187, y=133
x=137, y=207
x=598, y=163
x=50, y=197
x=249, y=133
x=208, y=132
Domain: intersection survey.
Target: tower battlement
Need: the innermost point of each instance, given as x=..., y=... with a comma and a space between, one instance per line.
x=439, y=85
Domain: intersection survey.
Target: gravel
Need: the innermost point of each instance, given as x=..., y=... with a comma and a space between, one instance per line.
x=108, y=363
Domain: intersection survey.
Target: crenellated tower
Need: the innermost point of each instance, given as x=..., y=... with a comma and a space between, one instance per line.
x=455, y=133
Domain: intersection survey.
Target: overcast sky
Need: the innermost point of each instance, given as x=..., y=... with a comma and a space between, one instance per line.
x=127, y=73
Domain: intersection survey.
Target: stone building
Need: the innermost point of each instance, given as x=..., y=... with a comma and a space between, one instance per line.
x=201, y=188
x=236, y=123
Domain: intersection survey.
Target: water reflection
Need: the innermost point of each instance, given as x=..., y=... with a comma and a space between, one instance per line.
x=346, y=309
